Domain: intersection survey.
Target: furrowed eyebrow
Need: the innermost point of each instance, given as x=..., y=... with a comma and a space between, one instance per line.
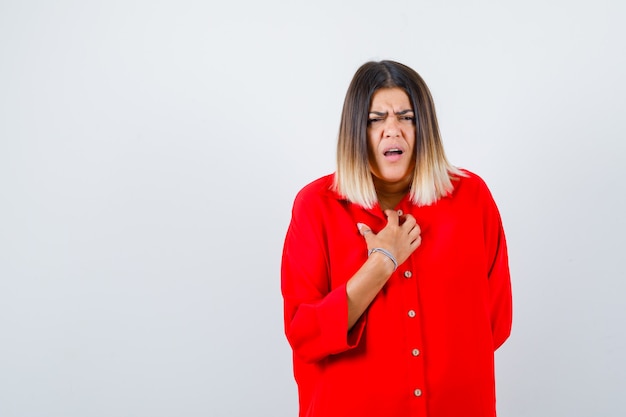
x=400, y=113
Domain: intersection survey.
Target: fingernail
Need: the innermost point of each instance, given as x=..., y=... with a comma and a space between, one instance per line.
x=360, y=226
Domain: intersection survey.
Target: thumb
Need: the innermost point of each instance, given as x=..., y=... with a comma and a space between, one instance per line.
x=364, y=229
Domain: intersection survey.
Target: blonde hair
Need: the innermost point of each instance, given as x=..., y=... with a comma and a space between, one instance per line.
x=433, y=174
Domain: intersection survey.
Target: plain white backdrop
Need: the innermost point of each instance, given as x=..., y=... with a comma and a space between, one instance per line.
x=150, y=152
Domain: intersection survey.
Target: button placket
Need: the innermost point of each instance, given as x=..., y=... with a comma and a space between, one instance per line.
x=414, y=355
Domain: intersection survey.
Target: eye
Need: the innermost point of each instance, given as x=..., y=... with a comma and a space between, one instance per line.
x=373, y=120
x=408, y=119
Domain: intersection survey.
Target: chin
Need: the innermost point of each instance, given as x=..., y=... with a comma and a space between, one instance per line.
x=392, y=174
x=394, y=177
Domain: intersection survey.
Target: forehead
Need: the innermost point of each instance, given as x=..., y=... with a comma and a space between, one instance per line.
x=394, y=98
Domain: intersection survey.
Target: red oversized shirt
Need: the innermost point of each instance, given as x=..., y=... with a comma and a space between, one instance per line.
x=425, y=346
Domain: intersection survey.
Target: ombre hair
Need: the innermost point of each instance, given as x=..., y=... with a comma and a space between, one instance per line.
x=432, y=175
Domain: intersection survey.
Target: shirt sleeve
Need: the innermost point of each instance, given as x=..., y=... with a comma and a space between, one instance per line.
x=500, y=298
x=316, y=315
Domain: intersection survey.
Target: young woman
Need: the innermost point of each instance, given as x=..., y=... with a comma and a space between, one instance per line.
x=395, y=275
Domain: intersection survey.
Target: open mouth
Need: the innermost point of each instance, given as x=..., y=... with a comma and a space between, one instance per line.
x=393, y=151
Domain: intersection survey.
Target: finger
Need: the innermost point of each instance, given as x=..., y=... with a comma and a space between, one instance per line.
x=415, y=231
x=417, y=228
x=392, y=217
x=364, y=229
x=409, y=222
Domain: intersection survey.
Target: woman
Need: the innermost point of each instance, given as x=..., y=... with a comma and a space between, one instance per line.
x=395, y=275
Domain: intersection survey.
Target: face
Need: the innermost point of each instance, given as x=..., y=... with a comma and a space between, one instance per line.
x=391, y=136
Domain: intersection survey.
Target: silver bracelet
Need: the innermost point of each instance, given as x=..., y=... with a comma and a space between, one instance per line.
x=386, y=253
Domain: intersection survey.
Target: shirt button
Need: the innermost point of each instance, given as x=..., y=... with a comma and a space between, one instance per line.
x=411, y=313
x=417, y=392
x=408, y=274
x=400, y=212
x=415, y=352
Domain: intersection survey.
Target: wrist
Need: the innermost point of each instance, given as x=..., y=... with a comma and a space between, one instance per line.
x=383, y=253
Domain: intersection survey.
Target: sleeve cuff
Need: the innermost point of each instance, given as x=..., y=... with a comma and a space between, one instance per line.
x=333, y=317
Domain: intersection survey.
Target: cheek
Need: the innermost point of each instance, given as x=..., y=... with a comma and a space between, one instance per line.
x=410, y=135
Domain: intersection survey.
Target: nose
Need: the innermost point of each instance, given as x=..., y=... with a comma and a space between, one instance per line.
x=392, y=129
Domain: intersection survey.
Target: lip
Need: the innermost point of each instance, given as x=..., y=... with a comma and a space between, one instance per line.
x=393, y=157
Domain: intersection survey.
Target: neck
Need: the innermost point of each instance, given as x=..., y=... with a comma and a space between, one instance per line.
x=390, y=194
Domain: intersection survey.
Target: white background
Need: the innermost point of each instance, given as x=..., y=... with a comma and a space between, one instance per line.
x=150, y=152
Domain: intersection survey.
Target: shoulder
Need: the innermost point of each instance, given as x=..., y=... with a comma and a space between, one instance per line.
x=470, y=182
x=312, y=203
x=470, y=188
x=318, y=190
x=472, y=191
